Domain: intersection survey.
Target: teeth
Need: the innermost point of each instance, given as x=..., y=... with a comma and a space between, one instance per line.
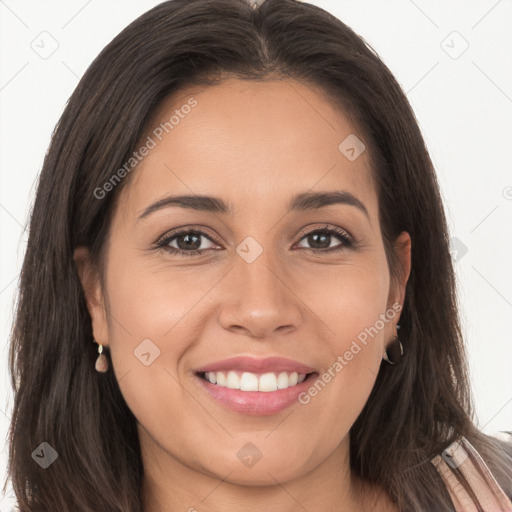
x=247, y=381
x=233, y=381
x=221, y=378
x=268, y=382
x=282, y=380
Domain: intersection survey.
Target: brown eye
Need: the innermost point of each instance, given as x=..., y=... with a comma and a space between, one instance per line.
x=186, y=242
x=320, y=240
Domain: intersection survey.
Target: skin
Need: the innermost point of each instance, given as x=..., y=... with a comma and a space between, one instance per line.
x=253, y=144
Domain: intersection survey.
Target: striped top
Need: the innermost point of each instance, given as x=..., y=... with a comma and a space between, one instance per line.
x=470, y=483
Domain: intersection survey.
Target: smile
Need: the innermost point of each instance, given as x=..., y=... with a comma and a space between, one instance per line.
x=248, y=381
x=255, y=386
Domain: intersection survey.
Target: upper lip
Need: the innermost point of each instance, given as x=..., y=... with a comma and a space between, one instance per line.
x=257, y=365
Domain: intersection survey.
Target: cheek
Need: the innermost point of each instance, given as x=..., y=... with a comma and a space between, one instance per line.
x=354, y=317
x=150, y=328
x=153, y=304
x=350, y=303
x=153, y=323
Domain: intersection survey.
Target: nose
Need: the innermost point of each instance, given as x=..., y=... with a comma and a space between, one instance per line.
x=260, y=299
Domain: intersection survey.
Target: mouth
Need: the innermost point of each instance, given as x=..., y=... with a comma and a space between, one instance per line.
x=251, y=382
x=255, y=394
x=255, y=386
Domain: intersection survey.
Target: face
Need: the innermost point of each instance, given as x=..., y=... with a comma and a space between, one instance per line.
x=297, y=289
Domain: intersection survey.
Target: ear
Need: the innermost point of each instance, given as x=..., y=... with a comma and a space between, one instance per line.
x=402, y=248
x=91, y=284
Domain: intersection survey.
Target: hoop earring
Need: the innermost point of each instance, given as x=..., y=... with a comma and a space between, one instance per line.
x=101, y=365
x=394, y=351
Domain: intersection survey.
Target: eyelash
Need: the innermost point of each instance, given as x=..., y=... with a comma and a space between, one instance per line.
x=163, y=243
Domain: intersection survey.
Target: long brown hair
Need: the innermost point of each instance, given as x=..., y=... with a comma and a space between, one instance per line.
x=416, y=408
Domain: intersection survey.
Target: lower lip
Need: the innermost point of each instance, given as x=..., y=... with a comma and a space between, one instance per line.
x=256, y=403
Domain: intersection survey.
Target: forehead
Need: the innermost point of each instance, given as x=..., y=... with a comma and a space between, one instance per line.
x=253, y=143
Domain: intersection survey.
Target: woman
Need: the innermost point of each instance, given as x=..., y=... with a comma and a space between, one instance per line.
x=238, y=208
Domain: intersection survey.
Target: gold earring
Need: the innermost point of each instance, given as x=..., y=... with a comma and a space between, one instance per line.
x=101, y=365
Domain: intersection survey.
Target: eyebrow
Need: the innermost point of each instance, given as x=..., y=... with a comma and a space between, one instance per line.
x=306, y=201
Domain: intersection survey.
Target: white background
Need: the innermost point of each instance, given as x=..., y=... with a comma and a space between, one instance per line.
x=463, y=104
